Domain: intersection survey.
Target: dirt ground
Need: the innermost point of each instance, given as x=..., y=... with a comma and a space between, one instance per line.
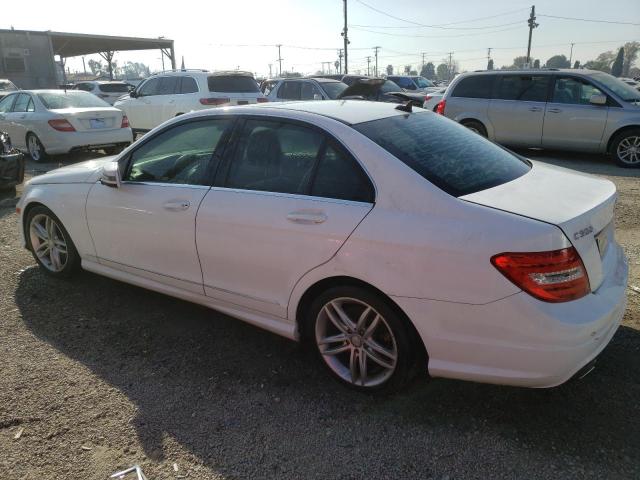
x=97, y=375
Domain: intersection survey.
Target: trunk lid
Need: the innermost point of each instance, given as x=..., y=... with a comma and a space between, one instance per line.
x=580, y=205
x=91, y=119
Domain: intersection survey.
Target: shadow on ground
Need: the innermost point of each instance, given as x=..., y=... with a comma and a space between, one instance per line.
x=250, y=404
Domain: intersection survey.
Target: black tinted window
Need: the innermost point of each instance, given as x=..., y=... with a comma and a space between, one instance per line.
x=308, y=90
x=340, y=176
x=478, y=86
x=188, y=85
x=87, y=87
x=232, y=84
x=150, y=87
x=113, y=87
x=167, y=85
x=289, y=91
x=333, y=89
x=574, y=91
x=179, y=155
x=447, y=154
x=523, y=87
x=274, y=157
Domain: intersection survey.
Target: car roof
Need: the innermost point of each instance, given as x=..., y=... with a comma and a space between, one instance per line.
x=529, y=71
x=324, y=80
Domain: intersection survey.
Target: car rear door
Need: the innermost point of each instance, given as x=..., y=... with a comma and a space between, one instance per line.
x=288, y=198
x=289, y=90
x=146, y=227
x=571, y=121
x=517, y=109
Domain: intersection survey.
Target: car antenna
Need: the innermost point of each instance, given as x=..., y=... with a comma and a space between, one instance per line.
x=405, y=107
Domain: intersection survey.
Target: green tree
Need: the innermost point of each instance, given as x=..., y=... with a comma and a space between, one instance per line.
x=407, y=69
x=428, y=71
x=96, y=67
x=443, y=71
x=536, y=63
x=616, y=68
x=558, y=61
x=602, y=62
x=519, y=62
x=576, y=64
x=631, y=50
x=490, y=64
x=389, y=69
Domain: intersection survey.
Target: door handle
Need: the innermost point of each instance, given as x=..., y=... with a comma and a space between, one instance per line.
x=177, y=206
x=535, y=109
x=307, y=218
x=555, y=110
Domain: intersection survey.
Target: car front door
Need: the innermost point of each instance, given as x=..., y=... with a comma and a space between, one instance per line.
x=146, y=227
x=516, y=110
x=289, y=197
x=289, y=90
x=5, y=109
x=571, y=121
x=19, y=117
x=138, y=108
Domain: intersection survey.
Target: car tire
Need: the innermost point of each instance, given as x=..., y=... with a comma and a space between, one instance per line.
x=50, y=243
x=625, y=148
x=377, y=356
x=35, y=148
x=476, y=127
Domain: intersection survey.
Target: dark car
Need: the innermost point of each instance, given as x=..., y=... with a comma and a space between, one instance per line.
x=11, y=164
x=379, y=90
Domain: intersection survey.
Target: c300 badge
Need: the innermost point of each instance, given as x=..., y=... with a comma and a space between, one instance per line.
x=581, y=233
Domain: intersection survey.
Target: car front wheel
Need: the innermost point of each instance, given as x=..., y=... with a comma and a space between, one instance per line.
x=626, y=148
x=361, y=340
x=50, y=243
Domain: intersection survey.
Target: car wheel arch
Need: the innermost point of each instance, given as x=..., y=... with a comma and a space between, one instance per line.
x=320, y=286
x=616, y=133
x=25, y=215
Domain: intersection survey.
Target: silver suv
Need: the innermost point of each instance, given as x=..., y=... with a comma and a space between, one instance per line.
x=579, y=110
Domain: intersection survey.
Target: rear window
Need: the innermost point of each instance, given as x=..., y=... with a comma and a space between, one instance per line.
x=447, y=154
x=70, y=99
x=113, y=87
x=232, y=84
x=333, y=89
x=478, y=86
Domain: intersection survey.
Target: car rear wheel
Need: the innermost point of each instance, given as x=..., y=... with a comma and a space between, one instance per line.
x=361, y=340
x=50, y=243
x=626, y=148
x=475, y=127
x=35, y=148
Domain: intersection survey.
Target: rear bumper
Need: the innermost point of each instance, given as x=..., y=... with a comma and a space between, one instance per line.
x=520, y=340
x=65, y=142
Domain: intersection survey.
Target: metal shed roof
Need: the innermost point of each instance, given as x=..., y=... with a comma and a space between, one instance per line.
x=75, y=44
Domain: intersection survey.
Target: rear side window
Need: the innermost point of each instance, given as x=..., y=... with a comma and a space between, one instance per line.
x=523, y=87
x=340, y=176
x=113, y=87
x=447, y=154
x=289, y=91
x=232, y=84
x=478, y=86
x=188, y=85
x=308, y=91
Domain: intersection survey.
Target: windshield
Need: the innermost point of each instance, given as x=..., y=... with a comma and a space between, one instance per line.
x=423, y=82
x=444, y=152
x=624, y=91
x=333, y=89
x=70, y=99
x=6, y=85
x=390, y=86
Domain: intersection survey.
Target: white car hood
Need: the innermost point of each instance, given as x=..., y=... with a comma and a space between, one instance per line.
x=83, y=172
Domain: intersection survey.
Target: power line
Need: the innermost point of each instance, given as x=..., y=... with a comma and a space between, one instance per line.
x=441, y=28
x=590, y=20
x=435, y=36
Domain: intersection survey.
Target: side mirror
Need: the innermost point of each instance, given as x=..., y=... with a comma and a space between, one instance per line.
x=110, y=176
x=598, y=99
x=317, y=96
x=133, y=94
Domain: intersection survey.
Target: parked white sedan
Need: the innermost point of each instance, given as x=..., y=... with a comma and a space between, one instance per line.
x=49, y=122
x=393, y=241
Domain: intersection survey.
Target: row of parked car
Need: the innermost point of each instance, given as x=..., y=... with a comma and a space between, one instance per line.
x=560, y=109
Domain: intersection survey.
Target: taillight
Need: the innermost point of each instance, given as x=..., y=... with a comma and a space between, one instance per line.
x=262, y=100
x=555, y=276
x=440, y=107
x=125, y=122
x=427, y=98
x=214, y=101
x=61, y=125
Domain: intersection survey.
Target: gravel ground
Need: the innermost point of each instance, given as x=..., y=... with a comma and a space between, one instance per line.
x=97, y=375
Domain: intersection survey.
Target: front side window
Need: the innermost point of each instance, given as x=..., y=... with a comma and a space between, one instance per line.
x=274, y=156
x=523, y=87
x=188, y=85
x=6, y=102
x=476, y=86
x=423, y=82
x=308, y=91
x=405, y=82
x=289, y=90
x=573, y=91
x=445, y=153
x=70, y=99
x=181, y=155
x=167, y=85
x=150, y=87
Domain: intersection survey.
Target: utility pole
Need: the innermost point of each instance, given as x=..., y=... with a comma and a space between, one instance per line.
x=346, y=38
x=270, y=74
x=532, y=24
x=368, y=62
x=84, y=67
x=340, y=55
x=279, y=61
x=423, y=54
x=376, y=50
x=570, y=56
x=450, y=66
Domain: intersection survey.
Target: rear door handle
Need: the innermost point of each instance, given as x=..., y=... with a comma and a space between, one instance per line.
x=177, y=206
x=535, y=109
x=307, y=218
x=555, y=110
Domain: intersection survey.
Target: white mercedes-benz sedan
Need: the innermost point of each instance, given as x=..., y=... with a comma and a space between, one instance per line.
x=391, y=241
x=50, y=122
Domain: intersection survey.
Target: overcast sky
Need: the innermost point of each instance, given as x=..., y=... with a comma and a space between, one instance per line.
x=207, y=34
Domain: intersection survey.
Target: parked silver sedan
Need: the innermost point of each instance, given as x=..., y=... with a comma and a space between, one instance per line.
x=578, y=110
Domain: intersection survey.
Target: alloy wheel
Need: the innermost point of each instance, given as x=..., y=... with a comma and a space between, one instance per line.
x=629, y=150
x=356, y=342
x=48, y=243
x=35, y=148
